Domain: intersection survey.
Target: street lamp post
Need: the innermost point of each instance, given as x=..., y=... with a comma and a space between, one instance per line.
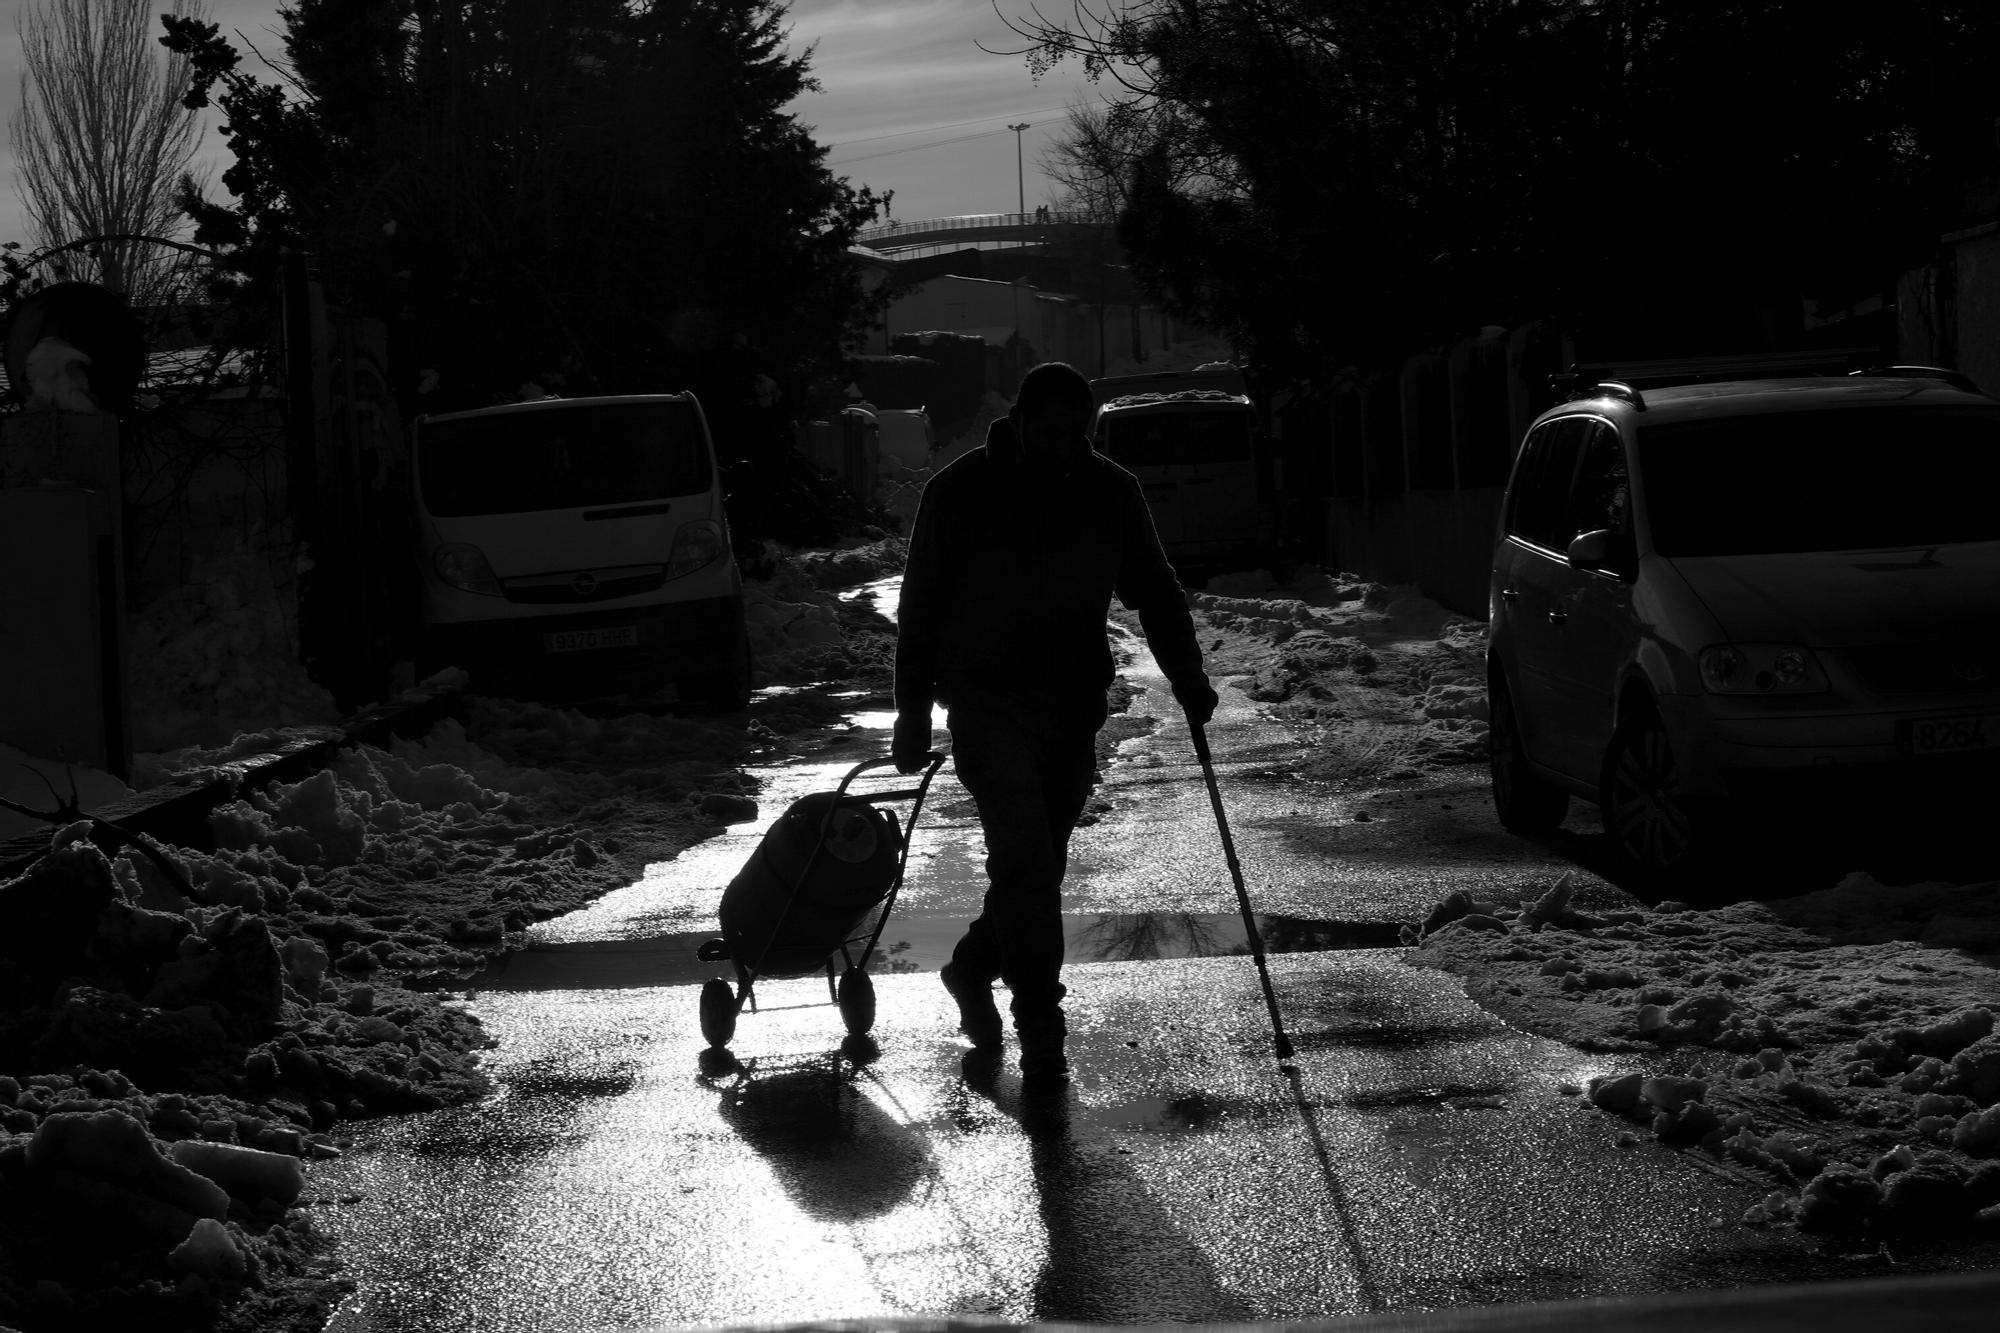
x=1020, y=181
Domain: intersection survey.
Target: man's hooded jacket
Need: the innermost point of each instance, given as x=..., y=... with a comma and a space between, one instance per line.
x=1012, y=566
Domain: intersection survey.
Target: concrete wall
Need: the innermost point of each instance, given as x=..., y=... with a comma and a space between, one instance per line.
x=960, y=305
x=1416, y=460
x=1441, y=541
x=1948, y=313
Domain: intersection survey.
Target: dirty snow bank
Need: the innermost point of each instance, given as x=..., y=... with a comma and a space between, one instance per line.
x=175, y=1039
x=253, y=995
x=1381, y=681
x=802, y=632
x=1840, y=1043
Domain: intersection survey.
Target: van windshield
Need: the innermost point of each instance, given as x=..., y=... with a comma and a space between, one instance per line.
x=1178, y=439
x=561, y=458
x=1859, y=479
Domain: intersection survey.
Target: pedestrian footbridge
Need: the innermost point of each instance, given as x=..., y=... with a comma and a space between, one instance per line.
x=1031, y=228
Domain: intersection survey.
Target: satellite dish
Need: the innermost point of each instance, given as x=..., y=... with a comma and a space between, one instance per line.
x=93, y=319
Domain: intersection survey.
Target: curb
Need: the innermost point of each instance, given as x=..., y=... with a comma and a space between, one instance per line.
x=1933, y=1303
x=178, y=813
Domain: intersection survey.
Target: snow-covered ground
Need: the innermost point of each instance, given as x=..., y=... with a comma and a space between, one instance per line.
x=1838, y=1043
x=175, y=1038
x=172, y=1043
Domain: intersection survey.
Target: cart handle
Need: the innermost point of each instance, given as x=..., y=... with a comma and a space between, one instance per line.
x=935, y=760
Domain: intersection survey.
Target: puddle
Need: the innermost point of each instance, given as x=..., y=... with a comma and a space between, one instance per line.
x=1391, y=1036
x=1184, y=1113
x=885, y=593
x=1452, y=1096
x=922, y=941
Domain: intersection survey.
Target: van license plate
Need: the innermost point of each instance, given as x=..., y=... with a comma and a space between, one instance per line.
x=584, y=640
x=1948, y=735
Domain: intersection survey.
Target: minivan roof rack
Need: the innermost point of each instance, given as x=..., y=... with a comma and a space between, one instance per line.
x=1956, y=379
x=1663, y=372
x=1577, y=383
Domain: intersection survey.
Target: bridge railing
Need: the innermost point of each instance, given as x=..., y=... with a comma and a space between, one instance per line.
x=904, y=232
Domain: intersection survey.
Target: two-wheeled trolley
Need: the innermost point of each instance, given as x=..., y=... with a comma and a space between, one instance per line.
x=819, y=886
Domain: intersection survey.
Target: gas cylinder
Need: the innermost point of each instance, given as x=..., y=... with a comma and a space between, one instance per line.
x=788, y=909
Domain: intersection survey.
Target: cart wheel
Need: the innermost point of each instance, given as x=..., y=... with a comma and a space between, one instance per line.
x=718, y=1012
x=857, y=1000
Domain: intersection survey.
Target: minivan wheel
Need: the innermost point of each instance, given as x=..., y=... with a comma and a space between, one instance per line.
x=1659, y=830
x=1525, y=802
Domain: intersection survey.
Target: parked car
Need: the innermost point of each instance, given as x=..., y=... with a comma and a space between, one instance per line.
x=579, y=545
x=1708, y=595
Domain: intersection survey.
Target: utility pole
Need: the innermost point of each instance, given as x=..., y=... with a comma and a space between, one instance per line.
x=1020, y=181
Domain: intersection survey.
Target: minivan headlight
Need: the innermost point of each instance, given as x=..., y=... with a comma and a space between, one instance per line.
x=696, y=546
x=1761, y=668
x=464, y=566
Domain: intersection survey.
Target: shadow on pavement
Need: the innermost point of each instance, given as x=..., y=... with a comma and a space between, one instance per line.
x=839, y=1155
x=1112, y=1253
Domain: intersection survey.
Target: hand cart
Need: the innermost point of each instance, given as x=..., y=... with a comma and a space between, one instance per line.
x=822, y=880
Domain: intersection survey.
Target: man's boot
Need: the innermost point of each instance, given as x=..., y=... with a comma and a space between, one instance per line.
x=1042, y=1036
x=978, y=1015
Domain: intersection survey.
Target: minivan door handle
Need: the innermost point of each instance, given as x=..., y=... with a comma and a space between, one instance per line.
x=1558, y=615
x=1509, y=595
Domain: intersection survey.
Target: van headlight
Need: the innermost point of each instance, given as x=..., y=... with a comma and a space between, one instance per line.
x=463, y=566
x=696, y=546
x=1761, y=668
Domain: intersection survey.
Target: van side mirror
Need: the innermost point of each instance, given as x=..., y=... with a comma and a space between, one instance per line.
x=1602, y=549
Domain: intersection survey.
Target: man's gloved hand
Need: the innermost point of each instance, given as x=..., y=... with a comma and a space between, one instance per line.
x=1197, y=699
x=910, y=745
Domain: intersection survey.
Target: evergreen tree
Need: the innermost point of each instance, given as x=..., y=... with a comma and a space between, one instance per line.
x=590, y=196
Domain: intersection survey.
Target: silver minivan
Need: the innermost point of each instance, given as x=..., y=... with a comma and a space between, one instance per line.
x=572, y=545
x=1709, y=594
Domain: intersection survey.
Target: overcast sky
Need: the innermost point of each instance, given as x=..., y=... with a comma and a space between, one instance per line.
x=910, y=102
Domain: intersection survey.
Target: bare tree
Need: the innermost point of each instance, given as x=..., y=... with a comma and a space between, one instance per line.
x=102, y=140
x=1085, y=166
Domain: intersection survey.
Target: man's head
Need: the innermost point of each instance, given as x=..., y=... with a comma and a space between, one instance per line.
x=1051, y=413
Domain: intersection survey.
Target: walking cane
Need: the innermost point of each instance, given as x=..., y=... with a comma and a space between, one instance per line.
x=1280, y=1040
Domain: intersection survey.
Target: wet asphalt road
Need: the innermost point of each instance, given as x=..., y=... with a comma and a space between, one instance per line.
x=1417, y=1152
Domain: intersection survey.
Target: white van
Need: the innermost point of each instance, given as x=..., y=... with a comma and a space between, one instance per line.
x=579, y=544
x=1191, y=439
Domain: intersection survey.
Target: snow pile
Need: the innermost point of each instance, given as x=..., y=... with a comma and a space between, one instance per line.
x=1176, y=396
x=217, y=654
x=189, y=1056
x=222, y=1012
x=198, y=762
x=1814, y=1040
x=800, y=631
x=1382, y=681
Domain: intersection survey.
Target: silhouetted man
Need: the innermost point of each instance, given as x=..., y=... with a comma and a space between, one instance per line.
x=1015, y=554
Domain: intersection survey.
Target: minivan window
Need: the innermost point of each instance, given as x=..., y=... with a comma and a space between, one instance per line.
x=1603, y=489
x=1178, y=439
x=1859, y=479
x=1540, y=496
x=561, y=458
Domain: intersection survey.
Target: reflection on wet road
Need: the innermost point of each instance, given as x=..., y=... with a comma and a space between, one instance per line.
x=921, y=941
x=1418, y=1154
